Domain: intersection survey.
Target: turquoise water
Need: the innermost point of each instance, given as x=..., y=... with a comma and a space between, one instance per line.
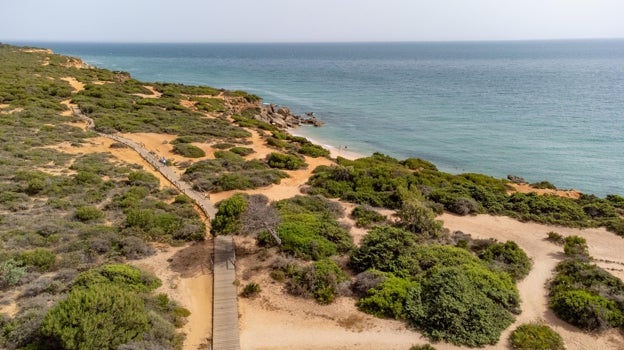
x=543, y=110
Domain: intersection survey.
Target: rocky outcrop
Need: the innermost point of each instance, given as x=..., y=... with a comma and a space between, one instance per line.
x=516, y=179
x=283, y=118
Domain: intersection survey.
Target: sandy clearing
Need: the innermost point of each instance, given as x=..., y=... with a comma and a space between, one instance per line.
x=4, y=105
x=545, y=256
x=102, y=144
x=527, y=188
x=75, y=84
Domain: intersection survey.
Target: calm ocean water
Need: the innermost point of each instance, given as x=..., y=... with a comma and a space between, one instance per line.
x=543, y=110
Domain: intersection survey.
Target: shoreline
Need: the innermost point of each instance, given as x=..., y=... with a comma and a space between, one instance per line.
x=334, y=151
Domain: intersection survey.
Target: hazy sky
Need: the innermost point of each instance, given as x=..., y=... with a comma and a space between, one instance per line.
x=308, y=20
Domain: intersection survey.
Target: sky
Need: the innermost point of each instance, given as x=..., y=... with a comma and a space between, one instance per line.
x=308, y=20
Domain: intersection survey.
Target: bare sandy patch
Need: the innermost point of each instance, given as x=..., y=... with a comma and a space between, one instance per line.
x=154, y=93
x=12, y=111
x=527, y=188
x=276, y=320
x=48, y=51
x=68, y=112
x=75, y=84
x=4, y=105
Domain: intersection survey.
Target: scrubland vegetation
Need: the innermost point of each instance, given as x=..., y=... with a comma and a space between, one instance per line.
x=69, y=222
x=377, y=180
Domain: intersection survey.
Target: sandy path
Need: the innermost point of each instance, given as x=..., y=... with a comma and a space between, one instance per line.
x=75, y=84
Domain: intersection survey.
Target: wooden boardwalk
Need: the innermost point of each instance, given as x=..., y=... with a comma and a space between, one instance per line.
x=225, y=309
x=225, y=303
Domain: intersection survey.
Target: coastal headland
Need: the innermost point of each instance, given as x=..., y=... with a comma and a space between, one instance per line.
x=222, y=144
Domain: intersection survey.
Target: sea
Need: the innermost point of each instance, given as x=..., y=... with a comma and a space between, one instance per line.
x=541, y=110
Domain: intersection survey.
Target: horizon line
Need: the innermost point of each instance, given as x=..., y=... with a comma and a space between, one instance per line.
x=307, y=42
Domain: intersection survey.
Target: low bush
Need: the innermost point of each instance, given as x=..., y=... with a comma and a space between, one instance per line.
x=544, y=185
x=365, y=216
x=11, y=273
x=449, y=306
x=387, y=299
x=88, y=213
x=242, y=151
x=575, y=246
x=587, y=310
x=251, y=290
x=508, y=257
x=587, y=296
x=188, y=150
x=309, y=229
x=96, y=318
x=228, y=219
x=285, y=161
x=555, y=237
x=40, y=258
x=532, y=336
x=321, y=281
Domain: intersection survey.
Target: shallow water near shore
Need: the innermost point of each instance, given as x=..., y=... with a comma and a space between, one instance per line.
x=543, y=110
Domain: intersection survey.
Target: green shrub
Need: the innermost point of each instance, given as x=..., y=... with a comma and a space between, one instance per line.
x=11, y=273
x=126, y=276
x=575, y=246
x=532, y=336
x=228, y=220
x=508, y=257
x=384, y=248
x=387, y=299
x=417, y=218
x=242, y=151
x=555, y=237
x=321, y=281
x=88, y=213
x=251, y=290
x=223, y=145
x=422, y=347
x=42, y=259
x=309, y=229
x=312, y=150
x=544, y=185
x=285, y=161
x=365, y=216
x=188, y=150
x=450, y=307
x=96, y=318
x=587, y=310
x=143, y=178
